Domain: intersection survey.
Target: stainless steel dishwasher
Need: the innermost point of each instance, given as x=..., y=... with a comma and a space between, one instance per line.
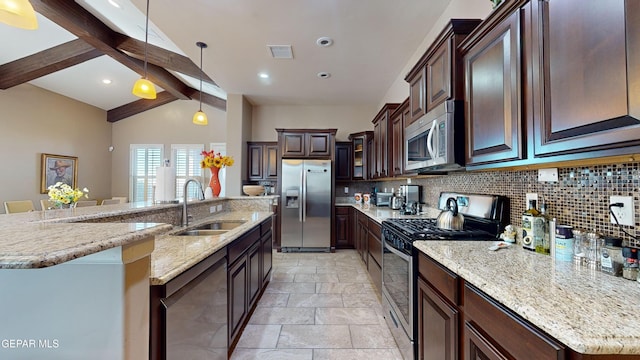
x=196, y=314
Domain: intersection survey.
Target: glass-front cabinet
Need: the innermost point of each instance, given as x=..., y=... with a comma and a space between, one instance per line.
x=360, y=150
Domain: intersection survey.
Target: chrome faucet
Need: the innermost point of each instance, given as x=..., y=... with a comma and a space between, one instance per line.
x=185, y=215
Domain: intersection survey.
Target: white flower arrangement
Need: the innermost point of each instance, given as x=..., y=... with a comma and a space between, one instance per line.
x=62, y=194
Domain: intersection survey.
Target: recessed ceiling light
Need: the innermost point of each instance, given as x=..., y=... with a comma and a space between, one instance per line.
x=263, y=75
x=324, y=75
x=324, y=41
x=106, y=81
x=115, y=4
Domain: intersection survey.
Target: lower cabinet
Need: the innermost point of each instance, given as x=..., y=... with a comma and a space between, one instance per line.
x=343, y=225
x=437, y=325
x=190, y=312
x=374, y=254
x=361, y=235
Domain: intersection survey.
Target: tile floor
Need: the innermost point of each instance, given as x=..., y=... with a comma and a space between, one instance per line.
x=317, y=306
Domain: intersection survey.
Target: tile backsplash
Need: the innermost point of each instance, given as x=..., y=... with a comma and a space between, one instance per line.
x=579, y=198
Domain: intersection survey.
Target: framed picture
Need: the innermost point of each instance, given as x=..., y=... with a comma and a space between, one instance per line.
x=58, y=168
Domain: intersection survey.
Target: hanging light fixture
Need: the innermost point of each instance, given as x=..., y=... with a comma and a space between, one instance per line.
x=200, y=118
x=143, y=87
x=18, y=13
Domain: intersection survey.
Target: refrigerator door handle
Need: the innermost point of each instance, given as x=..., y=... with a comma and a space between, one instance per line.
x=303, y=203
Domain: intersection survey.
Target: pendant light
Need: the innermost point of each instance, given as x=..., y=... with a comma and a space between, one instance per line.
x=143, y=87
x=200, y=118
x=18, y=13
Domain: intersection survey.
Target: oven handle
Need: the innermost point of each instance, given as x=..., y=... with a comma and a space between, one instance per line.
x=395, y=251
x=430, y=140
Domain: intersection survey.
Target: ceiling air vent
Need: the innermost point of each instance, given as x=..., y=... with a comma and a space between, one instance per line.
x=280, y=51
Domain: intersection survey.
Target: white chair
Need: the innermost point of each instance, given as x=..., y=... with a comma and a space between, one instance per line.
x=83, y=203
x=47, y=204
x=11, y=207
x=110, y=201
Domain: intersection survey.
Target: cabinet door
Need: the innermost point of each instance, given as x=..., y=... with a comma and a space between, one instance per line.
x=437, y=325
x=271, y=161
x=586, y=94
x=343, y=228
x=293, y=144
x=319, y=144
x=255, y=272
x=371, y=158
x=417, y=103
x=438, y=71
x=493, y=95
x=267, y=256
x=359, y=158
x=256, y=163
x=477, y=347
x=397, y=141
x=238, y=306
x=343, y=157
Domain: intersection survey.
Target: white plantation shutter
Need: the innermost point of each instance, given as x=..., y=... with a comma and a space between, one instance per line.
x=145, y=158
x=186, y=161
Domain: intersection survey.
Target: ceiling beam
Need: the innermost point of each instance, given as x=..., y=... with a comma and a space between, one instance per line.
x=211, y=100
x=78, y=21
x=46, y=62
x=138, y=106
x=161, y=57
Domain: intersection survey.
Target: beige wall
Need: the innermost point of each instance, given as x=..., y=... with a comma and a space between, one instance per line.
x=167, y=124
x=36, y=121
x=239, y=114
x=460, y=9
x=347, y=119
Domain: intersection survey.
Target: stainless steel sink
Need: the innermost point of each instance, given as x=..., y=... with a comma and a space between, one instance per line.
x=213, y=228
x=201, y=232
x=221, y=225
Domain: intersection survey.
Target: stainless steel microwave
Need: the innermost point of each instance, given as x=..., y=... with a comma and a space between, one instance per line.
x=435, y=142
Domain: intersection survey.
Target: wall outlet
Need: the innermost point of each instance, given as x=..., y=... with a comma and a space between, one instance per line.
x=626, y=215
x=528, y=198
x=212, y=209
x=408, y=180
x=346, y=189
x=218, y=207
x=548, y=174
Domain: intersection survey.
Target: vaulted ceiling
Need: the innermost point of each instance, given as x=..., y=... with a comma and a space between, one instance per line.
x=81, y=42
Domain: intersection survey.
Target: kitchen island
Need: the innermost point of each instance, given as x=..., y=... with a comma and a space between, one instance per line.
x=76, y=281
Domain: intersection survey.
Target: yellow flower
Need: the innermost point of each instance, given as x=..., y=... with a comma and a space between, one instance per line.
x=228, y=161
x=217, y=162
x=212, y=159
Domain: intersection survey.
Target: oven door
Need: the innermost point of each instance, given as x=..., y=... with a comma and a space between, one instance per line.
x=397, y=296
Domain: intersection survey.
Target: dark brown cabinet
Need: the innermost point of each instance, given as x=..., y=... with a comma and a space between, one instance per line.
x=361, y=235
x=361, y=159
x=438, y=311
x=437, y=76
x=382, y=140
x=249, y=272
x=371, y=158
x=306, y=143
x=343, y=160
x=493, y=99
x=374, y=254
x=398, y=119
x=343, y=227
x=585, y=94
x=262, y=161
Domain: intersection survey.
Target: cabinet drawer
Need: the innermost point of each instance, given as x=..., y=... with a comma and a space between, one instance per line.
x=440, y=278
x=266, y=226
x=238, y=247
x=375, y=272
x=375, y=247
x=507, y=330
x=342, y=210
x=375, y=228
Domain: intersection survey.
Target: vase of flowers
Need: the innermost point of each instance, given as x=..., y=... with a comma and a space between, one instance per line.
x=214, y=162
x=62, y=195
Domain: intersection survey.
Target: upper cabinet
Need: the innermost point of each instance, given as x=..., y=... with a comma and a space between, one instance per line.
x=493, y=111
x=437, y=76
x=552, y=81
x=361, y=150
x=306, y=143
x=343, y=158
x=382, y=140
x=398, y=118
x=263, y=161
x=585, y=75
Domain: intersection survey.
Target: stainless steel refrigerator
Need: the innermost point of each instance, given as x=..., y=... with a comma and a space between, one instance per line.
x=306, y=206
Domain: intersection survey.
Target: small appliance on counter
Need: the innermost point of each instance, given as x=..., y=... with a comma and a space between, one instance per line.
x=383, y=199
x=411, y=193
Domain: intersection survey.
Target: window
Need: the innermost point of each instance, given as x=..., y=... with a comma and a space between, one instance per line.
x=186, y=160
x=145, y=158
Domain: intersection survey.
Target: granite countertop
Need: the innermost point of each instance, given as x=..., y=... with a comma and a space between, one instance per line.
x=381, y=213
x=174, y=254
x=589, y=311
